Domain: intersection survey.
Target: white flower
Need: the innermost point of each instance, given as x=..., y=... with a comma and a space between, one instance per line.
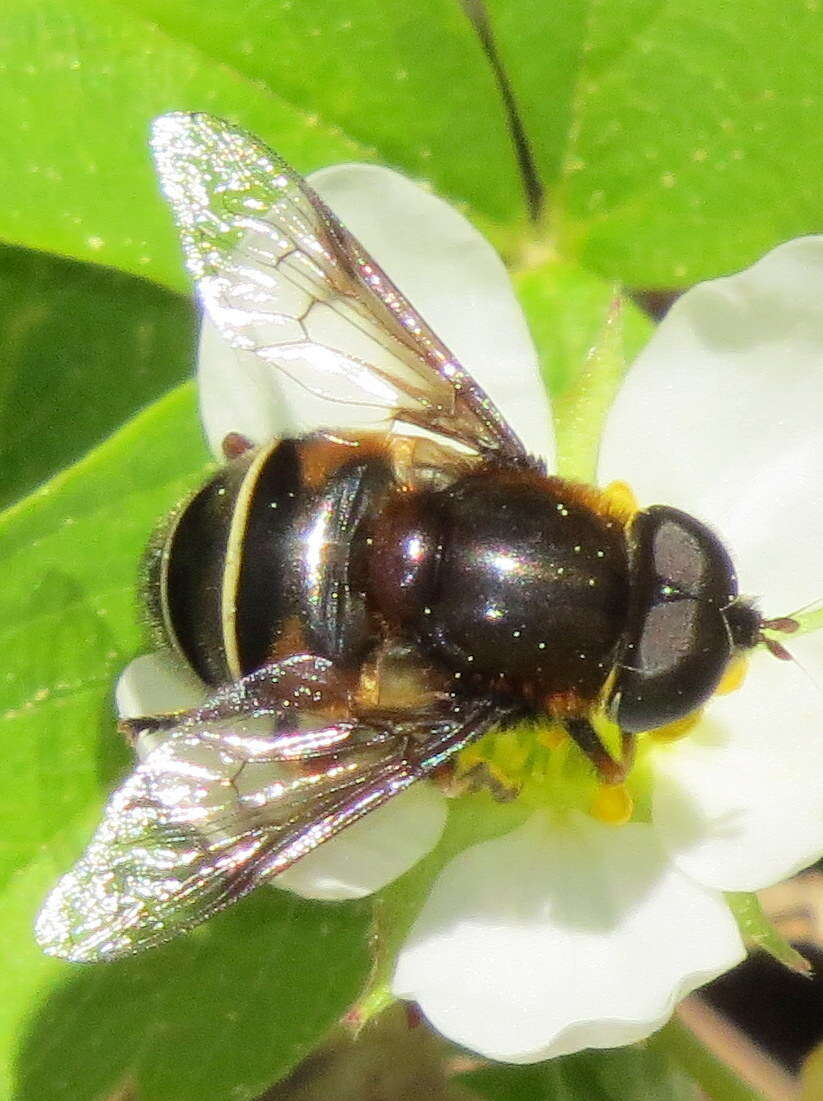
x=566, y=934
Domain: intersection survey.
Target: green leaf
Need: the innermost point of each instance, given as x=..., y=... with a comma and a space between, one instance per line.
x=587, y=334
x=68, y=617
x=566, y=308
x=537, y=1083
x=68, y=623
x=220, y=1014
x=408, y=81
x=636, y=1073
x=679, y=140
x=82, y=350
x=82, y=80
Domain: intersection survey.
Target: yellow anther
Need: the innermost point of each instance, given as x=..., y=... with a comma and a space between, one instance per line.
x=621, y=499
x=734, y=676
x=679, y=729
x=552, y=735
x=510, y=755
x=470, y=757
x=612, y=805
x=502, y=777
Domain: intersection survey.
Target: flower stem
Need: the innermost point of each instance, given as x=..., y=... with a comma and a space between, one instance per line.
x=716, y=1076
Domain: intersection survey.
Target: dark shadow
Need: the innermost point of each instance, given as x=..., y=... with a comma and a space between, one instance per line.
x=781, y=1010
x=84, y=348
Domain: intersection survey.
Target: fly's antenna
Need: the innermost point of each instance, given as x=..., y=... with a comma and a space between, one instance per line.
x=783, y=625
x=785, y=655
x=804, y=621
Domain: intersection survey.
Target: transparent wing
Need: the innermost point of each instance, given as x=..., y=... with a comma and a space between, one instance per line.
x=281, y=277
x=212, y=812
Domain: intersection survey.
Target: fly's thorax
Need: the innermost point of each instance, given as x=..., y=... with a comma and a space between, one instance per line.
x=509, y=576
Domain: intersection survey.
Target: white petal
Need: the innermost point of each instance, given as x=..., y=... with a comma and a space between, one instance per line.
x=722, y=413
x=237, y=392
x=739, y=802
x=451, y=275
x=374, y=851
x=154, y=684
x=550, y=940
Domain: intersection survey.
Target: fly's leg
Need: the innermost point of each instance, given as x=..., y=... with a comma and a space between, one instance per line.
x=234, y=445
x=609, y=770
x=301, y=683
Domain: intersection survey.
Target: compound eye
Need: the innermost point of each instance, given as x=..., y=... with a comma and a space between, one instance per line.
x=677, y=641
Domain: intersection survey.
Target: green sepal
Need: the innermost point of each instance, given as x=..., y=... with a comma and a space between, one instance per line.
x=759, y=932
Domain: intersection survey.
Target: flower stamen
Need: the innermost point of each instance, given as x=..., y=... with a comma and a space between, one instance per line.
x=612, y=805
x=539, y=765
x=622, y=500
x=552, y=735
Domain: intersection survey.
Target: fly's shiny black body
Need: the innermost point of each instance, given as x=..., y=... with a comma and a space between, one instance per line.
x=524, y=586
x=505, y=580
x=360, y=608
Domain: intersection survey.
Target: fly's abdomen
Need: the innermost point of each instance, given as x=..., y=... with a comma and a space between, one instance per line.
x=265, y=560
x=330, y=547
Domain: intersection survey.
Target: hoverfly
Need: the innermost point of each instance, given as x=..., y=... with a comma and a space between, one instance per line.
x=364, y=605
